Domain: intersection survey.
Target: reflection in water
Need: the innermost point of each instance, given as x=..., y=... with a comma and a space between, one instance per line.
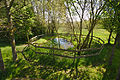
x=63, y=43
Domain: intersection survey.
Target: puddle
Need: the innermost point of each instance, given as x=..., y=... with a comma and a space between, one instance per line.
x=63, y=43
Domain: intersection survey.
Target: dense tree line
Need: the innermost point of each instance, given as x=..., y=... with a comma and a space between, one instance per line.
x=23, y=19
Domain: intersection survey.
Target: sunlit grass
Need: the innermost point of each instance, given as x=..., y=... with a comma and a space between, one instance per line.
x=101, y=33
x=7, y=51
x=100, y=61
x=41, y=41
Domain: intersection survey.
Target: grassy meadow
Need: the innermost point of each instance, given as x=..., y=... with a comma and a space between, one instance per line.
x=96, y=67
x=7, y=53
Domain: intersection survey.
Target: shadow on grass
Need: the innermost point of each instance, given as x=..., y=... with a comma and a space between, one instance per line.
x=44, y=65
x=4, y=44
x=103, y=59
x=41, y=67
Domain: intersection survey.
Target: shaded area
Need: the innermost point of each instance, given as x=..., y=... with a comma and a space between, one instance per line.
x=51, y=67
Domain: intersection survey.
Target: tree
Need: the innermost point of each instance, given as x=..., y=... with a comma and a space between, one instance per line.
x=8, y=6
x=50, y=12
x=112, y=10
x=108, y=20
x=95, y=10
x=82, y=8
x=114, y=5
x=108, y=24
x=1, y=62
x=14, y=16
x=23, y=20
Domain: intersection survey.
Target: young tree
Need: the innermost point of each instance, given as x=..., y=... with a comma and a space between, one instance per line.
x=8, y=6
x=108, y=24
x=82, y=9
x=50, y=12
x=113, y=9
x=108, y=20
x=114, y=5
x=12, y=15
x=94, y=9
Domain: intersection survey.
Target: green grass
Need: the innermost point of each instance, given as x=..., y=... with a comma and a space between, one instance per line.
x=91, y=67
x=101, y=33
x=7, y=51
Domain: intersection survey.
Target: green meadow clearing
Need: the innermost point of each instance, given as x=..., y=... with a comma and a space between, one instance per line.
x=59, y=40
x=101, y=33
x=95, y=67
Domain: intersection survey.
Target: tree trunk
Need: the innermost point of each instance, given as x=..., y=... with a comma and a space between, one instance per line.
x=110, y=37
x=49, y=15
x=118, y=40
x=13, y=47
x=43, y=12
x=86, y=39
x=112, y=55
x=34, y=6
x=113, y=49
x=85, y=42
x=91, y=39
x=1, y=62
x=10, y=26
x=118, y=76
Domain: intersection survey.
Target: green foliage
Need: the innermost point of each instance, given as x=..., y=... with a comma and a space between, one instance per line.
x=28, y=23
x=38, y=28
x=4, y=36
x=111, y=16
x=108, y=24
x=23, y=21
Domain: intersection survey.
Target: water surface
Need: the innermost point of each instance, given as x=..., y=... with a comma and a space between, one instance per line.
x=63, y=43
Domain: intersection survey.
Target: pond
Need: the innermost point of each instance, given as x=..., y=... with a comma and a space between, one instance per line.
x=63, y=43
